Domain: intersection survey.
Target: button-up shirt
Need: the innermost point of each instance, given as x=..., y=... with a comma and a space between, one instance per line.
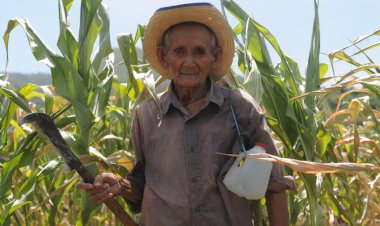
x=176, y=162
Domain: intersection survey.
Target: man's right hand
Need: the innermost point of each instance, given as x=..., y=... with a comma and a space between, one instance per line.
x=105, y=187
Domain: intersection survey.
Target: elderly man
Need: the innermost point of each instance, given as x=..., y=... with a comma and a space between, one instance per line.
x=178, y=177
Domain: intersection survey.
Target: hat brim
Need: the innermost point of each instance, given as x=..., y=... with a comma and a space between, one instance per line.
x=205, y=14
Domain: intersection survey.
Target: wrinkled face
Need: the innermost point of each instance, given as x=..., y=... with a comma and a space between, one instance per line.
x=189, y=55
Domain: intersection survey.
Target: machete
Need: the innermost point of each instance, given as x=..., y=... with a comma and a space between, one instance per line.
x=45, y=125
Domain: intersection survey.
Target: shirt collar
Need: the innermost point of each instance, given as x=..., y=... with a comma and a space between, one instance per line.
x=214, y=95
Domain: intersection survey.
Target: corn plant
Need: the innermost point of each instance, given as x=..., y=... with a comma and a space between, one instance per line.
x=300, y=122
x=82, y=78
x=92, y=100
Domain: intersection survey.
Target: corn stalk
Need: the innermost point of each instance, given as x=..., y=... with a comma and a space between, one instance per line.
x=80, y=75
x=296, y=116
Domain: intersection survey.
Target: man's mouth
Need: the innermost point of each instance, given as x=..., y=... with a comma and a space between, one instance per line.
x=184, y=72
x=188, y=73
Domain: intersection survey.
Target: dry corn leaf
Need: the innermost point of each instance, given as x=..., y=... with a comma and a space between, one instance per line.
x=311, y=167
x=123, y=158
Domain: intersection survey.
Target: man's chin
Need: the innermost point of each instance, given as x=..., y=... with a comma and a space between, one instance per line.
x=188, y=76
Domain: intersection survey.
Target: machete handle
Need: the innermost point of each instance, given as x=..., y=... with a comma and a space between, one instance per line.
x=119, y=212
x=86, y=175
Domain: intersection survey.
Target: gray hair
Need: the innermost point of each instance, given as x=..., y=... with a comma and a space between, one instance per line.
x=166, y=39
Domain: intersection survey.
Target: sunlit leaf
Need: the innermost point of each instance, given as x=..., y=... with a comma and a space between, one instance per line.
x=311, y=167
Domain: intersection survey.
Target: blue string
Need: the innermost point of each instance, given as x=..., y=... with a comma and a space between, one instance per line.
x=241, y=140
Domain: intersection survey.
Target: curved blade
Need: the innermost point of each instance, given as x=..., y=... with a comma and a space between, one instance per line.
x=45, y=125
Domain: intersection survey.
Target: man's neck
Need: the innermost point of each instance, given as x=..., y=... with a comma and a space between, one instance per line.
x=192, y=98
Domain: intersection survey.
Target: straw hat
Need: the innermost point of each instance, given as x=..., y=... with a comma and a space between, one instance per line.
x=203, y=13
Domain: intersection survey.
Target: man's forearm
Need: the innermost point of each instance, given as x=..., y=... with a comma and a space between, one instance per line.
x=277, y=205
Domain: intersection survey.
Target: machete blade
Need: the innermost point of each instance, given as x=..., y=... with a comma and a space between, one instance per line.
x=45, y=126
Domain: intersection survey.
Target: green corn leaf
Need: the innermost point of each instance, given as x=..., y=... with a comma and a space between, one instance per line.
x=341, y=55
x=296, y=206
x=305, y=136
x=276, y=103
x=60, y=188
x=7, y=116
x=100, y=97
x=88, y=207
x=362, y=38
x=28, y=88
x=133, y=54
x=252, y=83
x=67, y=81
x=323, y=139
x=5, y=217
x=90, y=26
x=375, y=89
x=312, y=81
x=243, y=17
x=372, y=46
x=283, y=136
x=310, y=181
x=40, y=51
x=68, y=4
x=49, y=99
x=139, y=33
x=66, y=41
x=124, y=43
x=16, y=97
x=27, y=190
x=252, y=42
x=24, y=156
x=65, y=121
x=323, y=68
x=85, y=119
x=334, y=200
x=105, y=48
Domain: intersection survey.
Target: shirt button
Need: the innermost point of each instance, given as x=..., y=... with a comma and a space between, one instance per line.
x=194, y=179
x=198, y=209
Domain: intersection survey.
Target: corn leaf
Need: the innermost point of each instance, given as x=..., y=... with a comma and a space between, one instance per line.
x=311, y=167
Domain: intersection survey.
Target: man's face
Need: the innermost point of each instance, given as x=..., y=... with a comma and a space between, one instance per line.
x=189, y=56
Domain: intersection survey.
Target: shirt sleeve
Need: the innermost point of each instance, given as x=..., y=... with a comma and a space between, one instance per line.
x=254, y=129
x=136, y=176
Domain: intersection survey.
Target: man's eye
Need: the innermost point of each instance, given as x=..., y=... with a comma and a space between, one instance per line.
x=178, y=51
x=200, y=51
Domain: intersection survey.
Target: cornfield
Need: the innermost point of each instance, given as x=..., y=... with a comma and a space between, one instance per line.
x=314, y=117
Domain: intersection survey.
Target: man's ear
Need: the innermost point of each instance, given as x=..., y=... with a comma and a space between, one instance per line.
x=161, y=54
x=217, y=57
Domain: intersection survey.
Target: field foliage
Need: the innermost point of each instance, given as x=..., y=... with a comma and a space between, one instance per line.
x=92, y=103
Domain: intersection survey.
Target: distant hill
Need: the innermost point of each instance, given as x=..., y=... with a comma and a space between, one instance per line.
x=20, y=79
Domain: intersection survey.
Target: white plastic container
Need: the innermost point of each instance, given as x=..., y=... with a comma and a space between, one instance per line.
x=249, y=178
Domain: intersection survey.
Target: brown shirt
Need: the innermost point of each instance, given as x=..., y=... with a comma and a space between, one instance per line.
x=176, y=164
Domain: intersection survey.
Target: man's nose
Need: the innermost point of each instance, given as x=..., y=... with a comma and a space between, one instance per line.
x=188, y=60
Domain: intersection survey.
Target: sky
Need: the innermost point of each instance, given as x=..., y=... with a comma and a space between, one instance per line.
x=290, y=21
